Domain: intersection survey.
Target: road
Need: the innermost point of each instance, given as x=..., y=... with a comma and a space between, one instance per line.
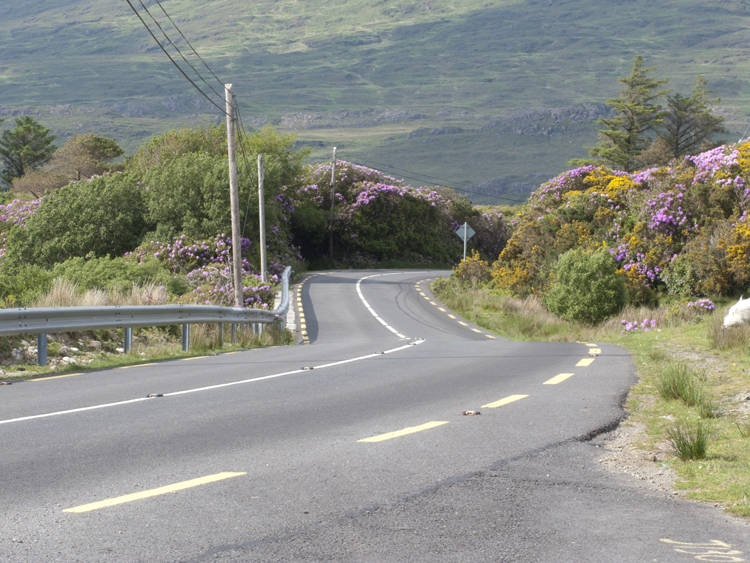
x=350, y=446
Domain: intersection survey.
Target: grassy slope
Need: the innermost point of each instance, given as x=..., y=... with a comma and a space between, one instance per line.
x=442, y=61
x=720, y=360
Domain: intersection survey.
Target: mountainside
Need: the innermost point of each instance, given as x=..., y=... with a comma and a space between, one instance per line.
x=469, y=93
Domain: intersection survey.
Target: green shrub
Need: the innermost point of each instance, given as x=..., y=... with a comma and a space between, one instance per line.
x=587, y=288
x=103, y=215
x=690, y=440
x=118, y=274
x=20, y=286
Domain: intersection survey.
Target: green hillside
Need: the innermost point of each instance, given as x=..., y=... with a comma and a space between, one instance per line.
x=378, y=79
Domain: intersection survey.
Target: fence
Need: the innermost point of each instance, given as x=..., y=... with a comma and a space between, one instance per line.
x=44, y=320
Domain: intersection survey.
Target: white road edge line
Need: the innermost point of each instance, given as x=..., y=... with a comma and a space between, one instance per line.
x=208, y=388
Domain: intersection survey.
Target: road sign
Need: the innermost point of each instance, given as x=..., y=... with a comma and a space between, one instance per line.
x=465, y=232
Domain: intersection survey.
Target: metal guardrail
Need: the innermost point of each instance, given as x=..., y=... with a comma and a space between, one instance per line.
x=44, y=320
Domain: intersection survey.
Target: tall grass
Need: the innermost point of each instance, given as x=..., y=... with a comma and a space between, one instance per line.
x=678, y=380
x=66, y=294
x=690, y=440
x=731, y=338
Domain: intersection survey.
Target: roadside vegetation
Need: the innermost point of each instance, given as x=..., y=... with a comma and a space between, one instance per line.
x=693, y=395
x=79, y=229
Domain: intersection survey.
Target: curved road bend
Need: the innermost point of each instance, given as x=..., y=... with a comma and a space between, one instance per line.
x=351, y=447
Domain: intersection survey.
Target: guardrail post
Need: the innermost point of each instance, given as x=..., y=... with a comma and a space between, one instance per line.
x=234, y=334
x=185, y=338
x=221, y=335
x=260, y=329
x=41, y=349
x=128, y=338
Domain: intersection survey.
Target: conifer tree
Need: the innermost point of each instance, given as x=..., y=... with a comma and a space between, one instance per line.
x=26, y=147
x=689, y=124
x=625, y=136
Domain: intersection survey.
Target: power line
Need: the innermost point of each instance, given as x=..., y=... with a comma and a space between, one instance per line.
x=173, y=61
x=445, y=184
x=177, y=48
x=189, y=45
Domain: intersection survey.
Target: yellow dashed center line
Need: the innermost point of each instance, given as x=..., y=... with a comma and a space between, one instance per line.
x=451, y=316
x=584, y=362
x=476, y=330
x=404, y=432
x=595, y=350
x=55, y=377
x=490, y=336
x=140, y=365
x=505, y=401
x=433, y=303
x=189, y=359
x=558, y=379
x=462, y=323
x=441, y=309
x=153, y=492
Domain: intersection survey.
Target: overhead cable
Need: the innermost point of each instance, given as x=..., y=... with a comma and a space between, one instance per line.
x=189, y=45
x=221, y=97
x=173, y=61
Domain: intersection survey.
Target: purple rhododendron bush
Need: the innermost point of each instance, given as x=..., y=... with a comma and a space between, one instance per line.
x=682, y=229
x=163, y=220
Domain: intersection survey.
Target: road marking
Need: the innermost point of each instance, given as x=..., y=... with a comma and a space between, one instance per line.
x=558, y=379
x=584, y=362
x=433, y=303
x=367, y=305
x=426, y=297
x=451, y=316
x=422, y=294
x=505, y=401
x=55, y=377
x=441, y=309
x=210, y=387
x=196, y=358
x=302, y=325
x=715, y=550
x=153, y=492
x=477, y=330
x=404, y=432
x=595, y=350
x=139, y=365
x=462, y=323
x=490, y=336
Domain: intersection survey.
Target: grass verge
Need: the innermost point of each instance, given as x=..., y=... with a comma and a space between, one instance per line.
x=693, y=393
x=97, y=350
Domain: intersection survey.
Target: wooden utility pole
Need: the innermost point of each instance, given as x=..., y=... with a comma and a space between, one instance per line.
x=234, y=200
x=333, y=203
x=262, y=212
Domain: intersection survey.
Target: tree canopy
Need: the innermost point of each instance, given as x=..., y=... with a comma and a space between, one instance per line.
x=689, y=125
x=26, y=147
x=625, y=136
x=82, y=156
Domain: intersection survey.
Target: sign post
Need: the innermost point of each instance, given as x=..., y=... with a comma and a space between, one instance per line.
x=465, y=232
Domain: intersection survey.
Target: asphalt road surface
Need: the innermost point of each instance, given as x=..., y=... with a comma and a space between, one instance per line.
x=349, y=447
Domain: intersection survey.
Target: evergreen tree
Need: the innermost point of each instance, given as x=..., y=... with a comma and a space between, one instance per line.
x=626, y=135
x=689, y=124
x=27, y=147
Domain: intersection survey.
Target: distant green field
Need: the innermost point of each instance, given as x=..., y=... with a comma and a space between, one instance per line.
x=364, y=74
